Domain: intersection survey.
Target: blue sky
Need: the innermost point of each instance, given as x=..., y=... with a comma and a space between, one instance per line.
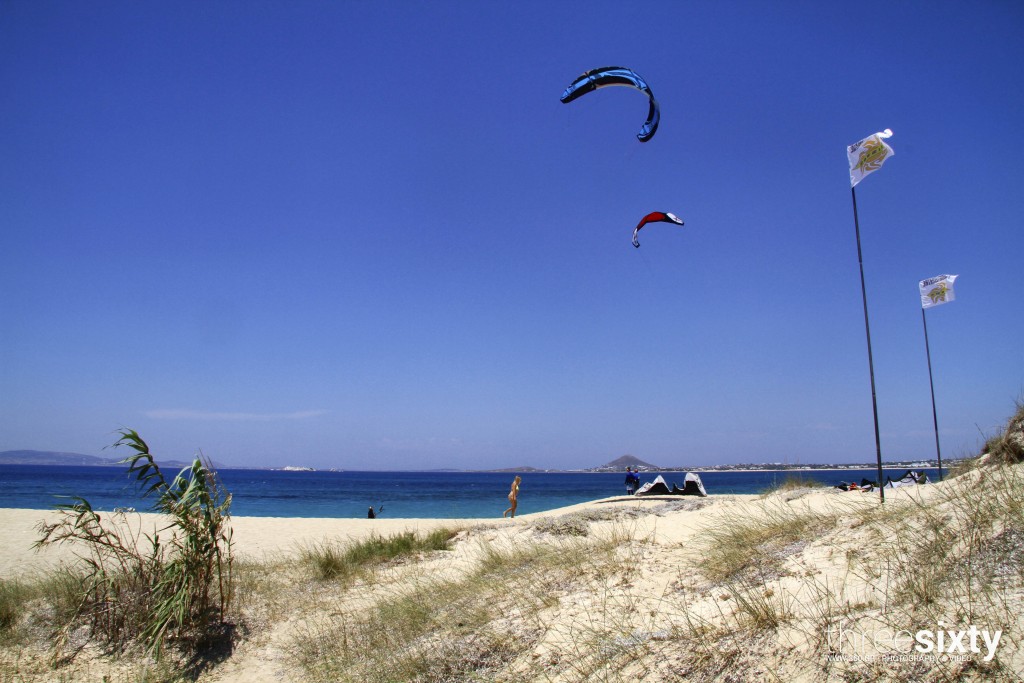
x=368, y=235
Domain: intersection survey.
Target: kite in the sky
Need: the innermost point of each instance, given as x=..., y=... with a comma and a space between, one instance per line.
x=616, y=75
x=655, y=217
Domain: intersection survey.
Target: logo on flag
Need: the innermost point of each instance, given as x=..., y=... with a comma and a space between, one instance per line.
x=937, y=290
x=868, y=155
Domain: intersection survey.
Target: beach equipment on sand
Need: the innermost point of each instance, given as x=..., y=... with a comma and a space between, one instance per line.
x=865, y=485
x=692, y=486
x=908, y=478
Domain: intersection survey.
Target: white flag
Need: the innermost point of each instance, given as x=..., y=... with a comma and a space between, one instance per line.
x=937, y=290
x=868, y=155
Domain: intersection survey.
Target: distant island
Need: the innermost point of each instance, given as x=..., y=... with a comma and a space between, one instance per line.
x=61, y=459
x=56, y=458
x=621, y=463
x=52, y=458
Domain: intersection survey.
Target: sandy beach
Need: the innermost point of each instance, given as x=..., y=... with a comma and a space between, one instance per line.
x=664, y=588
x=258, y=538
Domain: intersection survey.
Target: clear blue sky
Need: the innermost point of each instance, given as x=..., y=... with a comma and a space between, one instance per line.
x=369, y=235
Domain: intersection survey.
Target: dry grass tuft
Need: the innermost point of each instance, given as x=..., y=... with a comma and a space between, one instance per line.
x=331, y=560
x=1007, y=447
x=463, y=628
x=753, y=540
x=757, y=589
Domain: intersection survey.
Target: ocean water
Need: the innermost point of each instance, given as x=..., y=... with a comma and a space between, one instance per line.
x=445, y=495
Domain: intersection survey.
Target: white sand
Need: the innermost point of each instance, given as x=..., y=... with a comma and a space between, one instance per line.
x=664, y=589
x=254, y=537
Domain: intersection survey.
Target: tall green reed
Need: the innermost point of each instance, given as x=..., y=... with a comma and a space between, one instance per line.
x=151, y=587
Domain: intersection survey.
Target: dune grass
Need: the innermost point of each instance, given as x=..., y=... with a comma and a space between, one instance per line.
x=464, y=627
x=953, y=556
x=1007, y=446
x=759, y=592
x=332, y=560
x=559, y=605
x=14, y=596
x=755, y=539
x=796, y=482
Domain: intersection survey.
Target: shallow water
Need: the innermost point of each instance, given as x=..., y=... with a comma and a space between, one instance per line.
x=445, y=495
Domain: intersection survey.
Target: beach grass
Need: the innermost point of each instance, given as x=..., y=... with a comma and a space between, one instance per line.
x=15, y=595
x=733, y=589
x=446, y=628
x=1007, y=445
x=332, y=560
x=760, y=597
x=796, y=482
x=755, y=539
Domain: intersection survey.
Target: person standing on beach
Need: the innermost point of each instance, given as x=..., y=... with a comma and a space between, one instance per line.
x=629, y=482
x=513, y=497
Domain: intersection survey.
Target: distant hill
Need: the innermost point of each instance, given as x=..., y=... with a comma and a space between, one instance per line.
x=625, y=461
x=56, y=458
x=51, y=458
x=524, y=468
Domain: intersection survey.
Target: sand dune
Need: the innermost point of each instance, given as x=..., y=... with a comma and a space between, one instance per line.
x=636, y=589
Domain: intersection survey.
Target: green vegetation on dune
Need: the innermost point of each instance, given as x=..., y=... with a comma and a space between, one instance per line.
x=757, y=589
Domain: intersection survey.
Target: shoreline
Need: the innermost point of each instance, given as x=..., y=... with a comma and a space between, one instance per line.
x=260, y=538
x=631, y=568
x=820, y=467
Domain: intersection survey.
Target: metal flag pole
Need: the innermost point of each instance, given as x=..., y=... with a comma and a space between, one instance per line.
x=871, y=363
x=935, y=415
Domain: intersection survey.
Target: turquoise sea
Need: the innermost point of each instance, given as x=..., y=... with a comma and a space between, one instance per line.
x=448, y=495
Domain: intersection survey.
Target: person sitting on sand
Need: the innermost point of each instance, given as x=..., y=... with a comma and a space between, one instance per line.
x=513, y=497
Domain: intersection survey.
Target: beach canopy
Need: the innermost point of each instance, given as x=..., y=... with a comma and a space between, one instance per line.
x=692, y=486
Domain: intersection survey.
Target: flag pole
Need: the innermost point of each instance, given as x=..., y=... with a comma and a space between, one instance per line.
x=935, y=415
x=871, y=363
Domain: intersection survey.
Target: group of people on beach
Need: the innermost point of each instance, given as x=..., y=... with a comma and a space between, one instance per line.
x=632, y=484
x=513, y=499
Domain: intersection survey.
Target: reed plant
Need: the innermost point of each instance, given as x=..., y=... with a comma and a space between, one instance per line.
x=151, y=587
